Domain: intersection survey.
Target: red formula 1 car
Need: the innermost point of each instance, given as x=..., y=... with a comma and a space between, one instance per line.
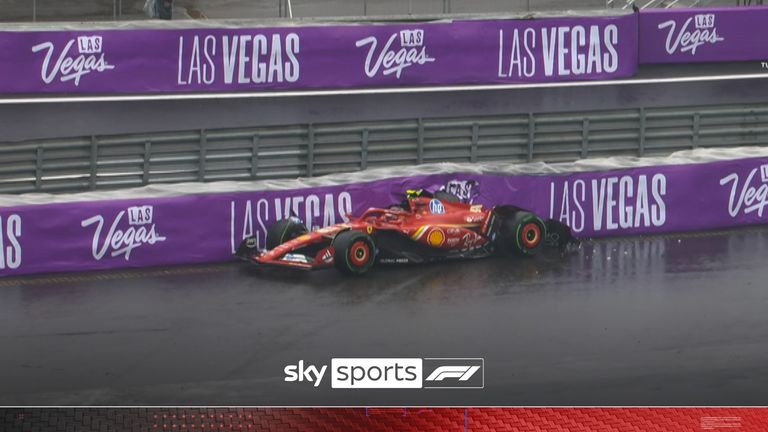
x=424, y=228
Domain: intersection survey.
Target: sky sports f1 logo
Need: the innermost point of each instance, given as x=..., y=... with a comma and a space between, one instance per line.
x=394, y=373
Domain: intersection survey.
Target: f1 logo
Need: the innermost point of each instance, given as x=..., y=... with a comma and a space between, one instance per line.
x=463, y=373
x=454, y=373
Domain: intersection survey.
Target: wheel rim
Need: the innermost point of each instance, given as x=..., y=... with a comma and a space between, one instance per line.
x=359, y=253
x=531, y=235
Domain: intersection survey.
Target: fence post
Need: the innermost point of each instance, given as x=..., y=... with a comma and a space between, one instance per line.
x=364, y=151
x=311, y=151
x=34, y=10
x=39, y=169
x=420, y=142
x=201, y=161
x=475, y=138
x=531, y=136
x=696, y=128
x=94, y=151
x=585, y=138
x=254, y=155
x=641, y=149
x=147, y=158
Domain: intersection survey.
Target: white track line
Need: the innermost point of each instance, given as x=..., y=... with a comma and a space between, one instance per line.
x=376, y=91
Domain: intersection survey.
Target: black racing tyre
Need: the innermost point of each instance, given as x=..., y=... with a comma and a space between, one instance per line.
x=446, y=196
x=284, y=230
x=523, y=233
x=354, y=252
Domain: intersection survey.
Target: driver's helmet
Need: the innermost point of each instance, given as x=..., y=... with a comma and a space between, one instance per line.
x=413, y=193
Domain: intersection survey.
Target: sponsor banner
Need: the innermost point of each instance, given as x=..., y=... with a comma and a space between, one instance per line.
x=703, y=35
x=321, y=56
x=209, y=227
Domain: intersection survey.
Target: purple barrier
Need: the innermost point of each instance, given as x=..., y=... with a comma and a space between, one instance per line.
x=208, y=228
x=313, y=57
x=703, y=35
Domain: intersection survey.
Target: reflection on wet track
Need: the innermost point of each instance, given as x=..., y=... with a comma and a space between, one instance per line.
x=677, y=319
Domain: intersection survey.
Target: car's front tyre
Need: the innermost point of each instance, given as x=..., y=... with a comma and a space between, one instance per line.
x=354, y=252
x=283, y=231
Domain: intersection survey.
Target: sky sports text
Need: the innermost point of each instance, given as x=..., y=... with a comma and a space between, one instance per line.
x=392, y=373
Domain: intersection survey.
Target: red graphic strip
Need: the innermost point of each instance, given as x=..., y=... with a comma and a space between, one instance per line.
x=385, y=419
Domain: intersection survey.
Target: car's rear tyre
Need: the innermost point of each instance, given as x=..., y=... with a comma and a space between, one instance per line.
x=354, y=252
x=524, y=233
x=284, y=230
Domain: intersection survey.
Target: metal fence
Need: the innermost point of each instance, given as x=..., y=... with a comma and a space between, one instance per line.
x=117, y=161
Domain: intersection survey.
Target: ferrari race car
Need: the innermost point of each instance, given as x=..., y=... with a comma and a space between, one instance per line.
x=425, y=227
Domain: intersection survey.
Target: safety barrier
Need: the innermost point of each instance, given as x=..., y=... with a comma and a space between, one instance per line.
x=533, y=48
x=607, y=197
x=307, y=150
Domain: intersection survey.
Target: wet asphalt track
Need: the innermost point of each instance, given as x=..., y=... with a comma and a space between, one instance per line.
x=641, y=321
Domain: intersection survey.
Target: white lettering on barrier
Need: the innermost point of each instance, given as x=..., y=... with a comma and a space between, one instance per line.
x=747, y=197
x=686, y=40
x=391, y=61
x=141, y=231
x=315, y=211
x=622, y=202
x=10, y=248
x=566, y=51
x=246, y=59
x=72, y=68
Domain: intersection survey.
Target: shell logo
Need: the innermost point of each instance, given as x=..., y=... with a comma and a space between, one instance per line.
x=436, y=238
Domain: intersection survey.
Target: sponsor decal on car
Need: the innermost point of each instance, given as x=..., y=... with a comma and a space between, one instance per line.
x=436, y=207
x=474, y=218
x=327, y=256
x=297, y=258
x=436, y=238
